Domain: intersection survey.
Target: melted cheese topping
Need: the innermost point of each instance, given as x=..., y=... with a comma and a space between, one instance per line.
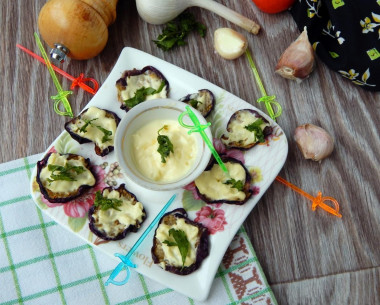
x=238, y=132
x=148, y=159
x=93, y=133
x=172, y=255
x=147, y=80
x=212, y=182
x=62, y=186
x=112, y=221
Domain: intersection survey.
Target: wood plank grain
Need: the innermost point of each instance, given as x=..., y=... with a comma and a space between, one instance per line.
x=293, y=243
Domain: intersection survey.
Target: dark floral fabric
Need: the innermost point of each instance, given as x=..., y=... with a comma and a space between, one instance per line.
x=345, y=35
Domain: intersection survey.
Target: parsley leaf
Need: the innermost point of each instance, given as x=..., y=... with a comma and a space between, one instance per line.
x=194, y=103
x=165, y=145
x=255, y=127
x=105, y=203
x=176, y=31
x=237, y=184
x=66, y=173
x=107, y=133
x=141, y=94
x=181, y=242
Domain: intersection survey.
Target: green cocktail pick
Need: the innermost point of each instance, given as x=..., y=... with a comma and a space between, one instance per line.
x=61, y=97
x=268, y=100
x=198, y=127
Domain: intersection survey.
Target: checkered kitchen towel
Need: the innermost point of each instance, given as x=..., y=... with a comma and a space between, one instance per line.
x=42, y=263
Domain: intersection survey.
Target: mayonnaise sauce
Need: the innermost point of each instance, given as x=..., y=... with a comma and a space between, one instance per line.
x=148, y=159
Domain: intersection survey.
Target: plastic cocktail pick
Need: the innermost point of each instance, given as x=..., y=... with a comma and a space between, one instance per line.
x=125, y=259
x=197, y=127
x=268, y=100
x=318, y=201
x=61, y=97
x=78, y=81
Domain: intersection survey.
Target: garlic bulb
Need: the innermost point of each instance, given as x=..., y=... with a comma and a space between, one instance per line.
x=314, y=142
x=297, y=61
x=229, y=44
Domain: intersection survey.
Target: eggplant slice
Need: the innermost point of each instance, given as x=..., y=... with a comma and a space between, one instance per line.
x=214, y=186
x=95, y=125
x=136, y=86
x=64, y=177
x=203, y=101
x=168, y=256
x=245, y=129
x=114, y=222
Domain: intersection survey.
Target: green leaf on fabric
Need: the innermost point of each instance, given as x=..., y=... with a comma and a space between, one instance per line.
x=366, y=75
x=334, y=55
x=337, y=3
x=191, y=204
x=376, y=17
x=42, y=205
x=76, y=224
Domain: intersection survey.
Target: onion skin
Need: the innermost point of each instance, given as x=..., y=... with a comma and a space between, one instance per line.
x=314, y=142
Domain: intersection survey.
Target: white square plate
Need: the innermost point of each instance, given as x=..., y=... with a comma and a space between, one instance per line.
x=264, y=161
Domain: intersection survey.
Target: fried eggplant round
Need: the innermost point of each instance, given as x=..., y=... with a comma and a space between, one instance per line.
x=115, y=212
x=64, y=177
x=203, y=101
x=214, y=186
x=95, y=125
x=175, y=230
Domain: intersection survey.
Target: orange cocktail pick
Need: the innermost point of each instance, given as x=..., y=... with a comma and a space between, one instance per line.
x=318, y=201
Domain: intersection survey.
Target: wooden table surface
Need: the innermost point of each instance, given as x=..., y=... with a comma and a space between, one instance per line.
x=308, y=257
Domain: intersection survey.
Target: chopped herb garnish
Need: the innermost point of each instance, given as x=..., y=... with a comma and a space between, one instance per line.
x=176, y=31
x=107, y=133
x=165, y=145
x=180, y=240
x=237, y=184
x=141, y=94
x=194, y=103
x=105, y=203
x=66, y=173
x=255, y=127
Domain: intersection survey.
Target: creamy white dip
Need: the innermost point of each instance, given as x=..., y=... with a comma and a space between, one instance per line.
x=148, y=159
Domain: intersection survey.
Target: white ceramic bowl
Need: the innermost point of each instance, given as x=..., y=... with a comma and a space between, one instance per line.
x=143, y=114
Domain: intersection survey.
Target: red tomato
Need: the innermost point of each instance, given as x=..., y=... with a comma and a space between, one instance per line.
x=273, y=6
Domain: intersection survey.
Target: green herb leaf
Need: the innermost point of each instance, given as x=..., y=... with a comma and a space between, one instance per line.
x=105, y=203
x=165, y=146
x=107, y=134
x=194, y=103
x=176, y=31
x=237, y=184
x=66, y=173
x=141, y=94
x=84, y=127
x=255, y=127
x=181, y=242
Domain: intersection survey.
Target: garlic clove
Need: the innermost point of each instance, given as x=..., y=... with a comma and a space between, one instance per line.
x=229, y=44
x=314, y=142
x=297, y=61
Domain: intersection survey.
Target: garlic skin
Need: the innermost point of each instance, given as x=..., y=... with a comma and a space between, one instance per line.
x=314, y=142
x=297, y=61
x=229, y=44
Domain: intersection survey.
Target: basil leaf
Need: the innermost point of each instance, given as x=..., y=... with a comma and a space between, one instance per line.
x=165, y=146
x=181, y=242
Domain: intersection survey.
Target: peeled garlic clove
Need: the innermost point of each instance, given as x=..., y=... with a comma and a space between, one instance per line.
x=297, y=61
x=314, y=142
x=229, y=44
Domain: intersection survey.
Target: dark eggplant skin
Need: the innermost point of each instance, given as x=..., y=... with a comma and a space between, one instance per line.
x=246, y=188
x=53, y=197
x=132, y=228
x=82, y=140
x=268, y=130
x=121, y=83
x=203, y=248
x=194, y=96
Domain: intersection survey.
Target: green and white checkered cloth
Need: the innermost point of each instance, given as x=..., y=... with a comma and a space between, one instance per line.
x=42, y=263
